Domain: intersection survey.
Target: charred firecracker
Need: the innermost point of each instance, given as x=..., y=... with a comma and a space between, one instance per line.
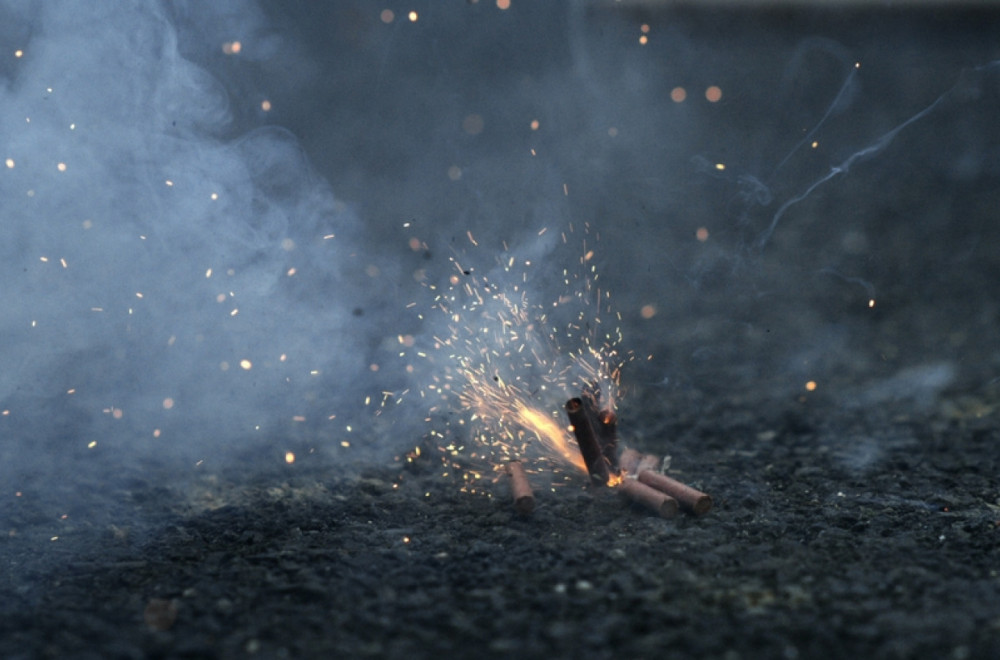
x=635, y=475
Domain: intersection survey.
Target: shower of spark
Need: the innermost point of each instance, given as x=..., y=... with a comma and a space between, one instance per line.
x=511, y=357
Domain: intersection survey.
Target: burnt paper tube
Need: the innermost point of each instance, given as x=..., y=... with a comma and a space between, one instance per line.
x=692, y=500
x=589, y=449
x=652, y=499
x=524, y=499
x=591, y=397
x=607, y=437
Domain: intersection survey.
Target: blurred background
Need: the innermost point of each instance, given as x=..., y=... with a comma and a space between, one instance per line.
x=785, y=192
x=220, y=218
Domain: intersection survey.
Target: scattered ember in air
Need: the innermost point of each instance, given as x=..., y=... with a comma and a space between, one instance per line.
x=510, y=356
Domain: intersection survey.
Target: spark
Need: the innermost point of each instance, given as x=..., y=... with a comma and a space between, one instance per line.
x=511, y=361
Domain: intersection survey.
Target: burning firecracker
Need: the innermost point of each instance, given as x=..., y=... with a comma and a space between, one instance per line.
x=506, y=360
x=633, y=474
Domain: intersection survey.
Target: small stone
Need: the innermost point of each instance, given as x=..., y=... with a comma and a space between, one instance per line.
x=160, y=613
x=374, y=486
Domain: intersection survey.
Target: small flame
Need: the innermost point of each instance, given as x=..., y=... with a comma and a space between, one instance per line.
x=550, y=434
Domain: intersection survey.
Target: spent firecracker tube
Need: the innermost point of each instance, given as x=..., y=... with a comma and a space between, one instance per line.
x=520, y=488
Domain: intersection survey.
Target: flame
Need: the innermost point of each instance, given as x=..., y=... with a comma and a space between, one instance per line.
x=550, y=434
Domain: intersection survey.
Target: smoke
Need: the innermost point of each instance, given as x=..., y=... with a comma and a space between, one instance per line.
x=216, y=216
x=172, y=284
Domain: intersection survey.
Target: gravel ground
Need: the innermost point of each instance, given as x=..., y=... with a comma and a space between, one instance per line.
x=804, y=554
x=856, y=519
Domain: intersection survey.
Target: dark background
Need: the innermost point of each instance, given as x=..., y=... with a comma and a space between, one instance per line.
x=856, y=519
x=384, y=123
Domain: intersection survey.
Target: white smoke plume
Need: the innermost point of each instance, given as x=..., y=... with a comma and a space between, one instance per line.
x=171, y=282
